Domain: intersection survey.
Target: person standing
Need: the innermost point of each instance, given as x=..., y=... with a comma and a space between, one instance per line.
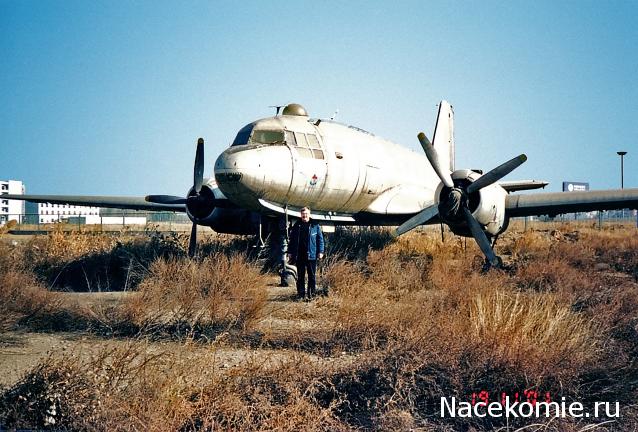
x=306, y=245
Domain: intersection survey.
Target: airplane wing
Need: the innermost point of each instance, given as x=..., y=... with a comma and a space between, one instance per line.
x=519, y=185
x=120, y=202
x=570, y=202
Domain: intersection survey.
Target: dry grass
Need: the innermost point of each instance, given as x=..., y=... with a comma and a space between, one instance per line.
x=133, y=386
x=531, y=330
x=22, y=298
x=187, y=295
x=407, y=321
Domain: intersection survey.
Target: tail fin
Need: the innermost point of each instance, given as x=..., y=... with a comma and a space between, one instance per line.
x=443, y=140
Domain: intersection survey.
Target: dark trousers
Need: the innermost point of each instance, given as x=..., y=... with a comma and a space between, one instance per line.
x=310, y=266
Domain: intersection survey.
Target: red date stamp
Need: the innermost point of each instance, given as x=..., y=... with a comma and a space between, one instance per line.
x=531, y=396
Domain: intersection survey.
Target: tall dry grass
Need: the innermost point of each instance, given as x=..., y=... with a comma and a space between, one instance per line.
x=133, y=386
x=405, y=323
x=176, y=296
x=23, y=299
x=218, y=292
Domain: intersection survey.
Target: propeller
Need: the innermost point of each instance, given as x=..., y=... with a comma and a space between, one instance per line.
x=199, y=200
x=198, y=170
x=496, y=174
x=433, y=157
x=192, y=243
x=455, y=206
x=195, y=199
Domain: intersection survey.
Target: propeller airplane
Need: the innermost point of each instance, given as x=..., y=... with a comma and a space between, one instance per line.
x=347, y=176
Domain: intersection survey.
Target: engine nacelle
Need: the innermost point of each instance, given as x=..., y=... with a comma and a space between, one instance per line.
x=487, y=205
x=203, y=211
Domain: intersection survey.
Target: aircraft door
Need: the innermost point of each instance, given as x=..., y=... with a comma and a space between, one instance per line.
x=309, y=166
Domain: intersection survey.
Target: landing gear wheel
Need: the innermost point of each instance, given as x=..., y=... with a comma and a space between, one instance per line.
x=288, y=280
x=288, y=275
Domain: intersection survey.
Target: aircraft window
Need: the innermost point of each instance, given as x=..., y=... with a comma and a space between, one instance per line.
x=290, y=138
x=304, y=152
x=318, y=154
x=301, y=139
x=243, y=135
x=267, y=137
x=313, y=142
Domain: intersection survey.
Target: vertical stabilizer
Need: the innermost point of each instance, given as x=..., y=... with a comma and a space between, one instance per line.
x=443, y=139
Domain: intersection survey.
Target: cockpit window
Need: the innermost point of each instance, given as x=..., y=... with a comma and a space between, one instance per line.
x=313, y=142
x=267, y=137
x=290, y=139
x=308, y=146
x=301, y=139
x=243, y=135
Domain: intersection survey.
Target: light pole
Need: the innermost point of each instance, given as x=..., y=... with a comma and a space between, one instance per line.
x=622, y=168
x=622, y=174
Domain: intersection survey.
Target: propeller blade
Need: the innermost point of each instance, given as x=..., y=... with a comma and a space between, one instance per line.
x=198, y=171
x=433, y=157
x=419, y=219
x=165, y=199
x=481, y=238
x=496, y=174
x=192, y=244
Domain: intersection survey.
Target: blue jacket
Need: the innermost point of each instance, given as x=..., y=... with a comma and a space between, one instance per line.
x=315, y=240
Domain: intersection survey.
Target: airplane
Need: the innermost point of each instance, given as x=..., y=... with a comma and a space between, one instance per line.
x=348, y=176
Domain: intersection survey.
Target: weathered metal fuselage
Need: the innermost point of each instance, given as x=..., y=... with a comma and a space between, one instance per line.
x=327, y=166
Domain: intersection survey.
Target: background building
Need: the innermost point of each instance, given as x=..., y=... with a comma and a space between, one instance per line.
x=112, y=216
x=11, y=209
x=49, y=213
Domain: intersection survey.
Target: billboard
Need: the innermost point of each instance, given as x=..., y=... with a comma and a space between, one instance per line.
x=575, y=186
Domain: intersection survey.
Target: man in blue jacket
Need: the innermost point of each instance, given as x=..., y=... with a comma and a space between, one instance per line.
x=305, y=246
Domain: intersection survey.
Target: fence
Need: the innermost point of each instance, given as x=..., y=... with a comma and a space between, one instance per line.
x=34, y=222
x=597, y=218
x=168, y=221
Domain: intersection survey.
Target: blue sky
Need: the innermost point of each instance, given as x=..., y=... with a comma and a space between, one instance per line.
x=110, y=97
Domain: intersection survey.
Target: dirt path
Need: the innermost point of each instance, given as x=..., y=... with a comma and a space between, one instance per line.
x=21, y=350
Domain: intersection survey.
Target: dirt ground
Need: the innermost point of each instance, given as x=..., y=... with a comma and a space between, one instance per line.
x=22, y=350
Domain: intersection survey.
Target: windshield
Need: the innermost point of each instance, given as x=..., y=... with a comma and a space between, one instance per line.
x=267, y=137
x=243, y=135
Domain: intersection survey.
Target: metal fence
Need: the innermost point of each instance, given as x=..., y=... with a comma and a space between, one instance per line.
x=593, y=220
x=168, y=221
x=114, y=221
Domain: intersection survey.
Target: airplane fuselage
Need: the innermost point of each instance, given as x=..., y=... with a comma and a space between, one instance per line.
x=327, y=166
x=347, y=176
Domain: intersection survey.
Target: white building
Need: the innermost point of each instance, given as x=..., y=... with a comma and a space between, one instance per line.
x=11, y=209
x=110, y=216
x=50, y=213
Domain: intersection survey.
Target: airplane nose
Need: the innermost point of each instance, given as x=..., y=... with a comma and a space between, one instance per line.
x=246, y=175
x=238, y=159
x=239, y=169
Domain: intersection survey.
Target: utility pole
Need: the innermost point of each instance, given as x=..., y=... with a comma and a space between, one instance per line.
x=622, y=168
x=622, y=174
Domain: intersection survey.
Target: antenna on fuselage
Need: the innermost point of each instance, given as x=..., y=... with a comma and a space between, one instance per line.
x=334, y=116
x=277, y=107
